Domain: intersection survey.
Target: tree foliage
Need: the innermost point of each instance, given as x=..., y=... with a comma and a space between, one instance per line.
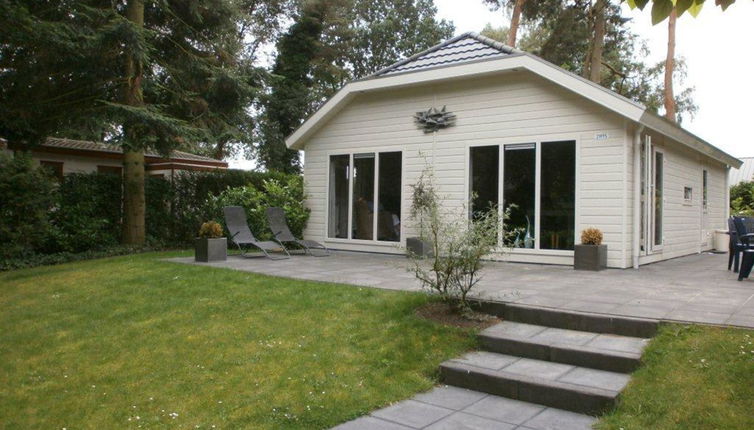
x=661, y=9
x=560, y=33
x=357, y=38
x=290, y=84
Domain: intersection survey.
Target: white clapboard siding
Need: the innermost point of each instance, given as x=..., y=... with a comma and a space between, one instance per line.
x=515, y=108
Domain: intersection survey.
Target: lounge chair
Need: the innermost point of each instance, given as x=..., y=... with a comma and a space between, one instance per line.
x=240, y=234
x=279, y=227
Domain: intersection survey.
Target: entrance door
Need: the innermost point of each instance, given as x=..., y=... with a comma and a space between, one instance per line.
x=652, y=197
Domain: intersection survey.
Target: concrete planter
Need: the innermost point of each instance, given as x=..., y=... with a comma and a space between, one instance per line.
x=590, y=257
x=419, y=247
x=207, y=250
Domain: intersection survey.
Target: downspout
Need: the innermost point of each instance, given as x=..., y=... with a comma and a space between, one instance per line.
x=637, y=197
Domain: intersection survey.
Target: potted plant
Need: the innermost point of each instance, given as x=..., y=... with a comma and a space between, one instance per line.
x=211, y=245
x=591, y=254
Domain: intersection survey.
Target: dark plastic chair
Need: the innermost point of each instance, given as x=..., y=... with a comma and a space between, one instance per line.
x=240, y=234
x=741, y=239
x=279, y=227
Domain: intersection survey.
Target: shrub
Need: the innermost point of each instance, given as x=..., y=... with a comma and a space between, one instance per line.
x=742, y=199
x=458, y=243
x=288, y=195
x=591, y=236
x=27, y=196
x=211, y=230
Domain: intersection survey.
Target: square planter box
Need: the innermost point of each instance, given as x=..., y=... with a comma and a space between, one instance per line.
x=416, y=246
x=211, y=249
x=590, y=257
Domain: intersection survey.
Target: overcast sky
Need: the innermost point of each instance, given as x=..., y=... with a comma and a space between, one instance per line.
x=718, y=50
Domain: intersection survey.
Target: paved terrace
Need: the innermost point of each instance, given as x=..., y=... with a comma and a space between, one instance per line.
x=696, y=288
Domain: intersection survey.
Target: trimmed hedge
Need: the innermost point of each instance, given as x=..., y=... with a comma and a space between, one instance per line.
x=83, y=214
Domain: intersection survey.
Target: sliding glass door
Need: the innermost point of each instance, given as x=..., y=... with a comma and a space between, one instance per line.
x=369, y=184
x=557, y=197
x=538, y=185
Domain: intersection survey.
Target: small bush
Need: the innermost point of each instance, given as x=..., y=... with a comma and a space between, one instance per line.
x=289, y=196
x=742, y=199
x=458, y=243
x=591, y=236
x=211, y=230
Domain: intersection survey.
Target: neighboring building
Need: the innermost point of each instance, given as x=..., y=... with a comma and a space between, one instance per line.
x=745, y=173
x=569, y=153
x=65, y=156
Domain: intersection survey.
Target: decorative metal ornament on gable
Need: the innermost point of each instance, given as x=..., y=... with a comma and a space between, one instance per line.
x=432, y=119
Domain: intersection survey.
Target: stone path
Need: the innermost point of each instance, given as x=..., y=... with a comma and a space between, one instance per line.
x=537, y=373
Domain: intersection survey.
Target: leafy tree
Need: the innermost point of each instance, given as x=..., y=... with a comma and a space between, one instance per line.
x=668, y=99
x=562, y=36
x=662, y=9
x=156, y=75
x=517, y=7
x=358, y=38
x=288, y=101
x=742, y=199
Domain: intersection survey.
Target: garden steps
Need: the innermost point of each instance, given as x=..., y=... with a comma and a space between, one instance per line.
x=563, y=386
x=574, y=361
x=601, y=351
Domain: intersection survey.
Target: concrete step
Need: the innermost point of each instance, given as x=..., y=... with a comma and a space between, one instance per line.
x=573, y=320
x=451, y=408
x=610, y=352
x=563, y=386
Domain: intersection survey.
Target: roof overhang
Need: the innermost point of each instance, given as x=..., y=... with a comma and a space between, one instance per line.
x=610, y=100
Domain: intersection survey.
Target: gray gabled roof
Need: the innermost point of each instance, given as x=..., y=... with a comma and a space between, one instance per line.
x=466, y=48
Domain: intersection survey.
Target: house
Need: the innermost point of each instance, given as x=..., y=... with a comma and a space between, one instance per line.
x=745, y=173
x=64, y=156
x=510, y=128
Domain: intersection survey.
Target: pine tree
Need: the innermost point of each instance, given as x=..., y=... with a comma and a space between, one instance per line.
x=146, y=76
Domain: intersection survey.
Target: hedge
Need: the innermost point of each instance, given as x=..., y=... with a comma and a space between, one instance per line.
x=83, y=214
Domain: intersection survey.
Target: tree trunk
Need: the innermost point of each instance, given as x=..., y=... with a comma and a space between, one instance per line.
x=593, y=64
x=669, y=68
x=133, y=153
x=515, y=21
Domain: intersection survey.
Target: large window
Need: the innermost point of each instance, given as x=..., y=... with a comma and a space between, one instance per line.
x=658, y=197
x=340, y=170
x=485, y=163
x=519, y=191
x=369, y=184
x=539, y=189
x=557, y=195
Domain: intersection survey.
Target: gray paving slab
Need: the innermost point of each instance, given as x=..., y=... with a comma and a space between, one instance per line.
x=596, y=378
x=618, y=343
x=450, y=397
x=464, y=421
x=538, y=368
x=517, y=329
x=505, y=410
x=370, y=423
x=696, y=288
x=486, y=360
x=412, y=413
x=556, y=419
x=563, y=336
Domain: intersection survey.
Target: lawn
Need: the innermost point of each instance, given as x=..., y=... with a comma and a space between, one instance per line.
x=132, y=342
x=694, y=377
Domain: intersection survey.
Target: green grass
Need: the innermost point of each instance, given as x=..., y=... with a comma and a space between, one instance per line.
x=693, y=377
x=97, y=344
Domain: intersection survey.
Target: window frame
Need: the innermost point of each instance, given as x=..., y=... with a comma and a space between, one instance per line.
x=537, y=141
x=350, y=153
